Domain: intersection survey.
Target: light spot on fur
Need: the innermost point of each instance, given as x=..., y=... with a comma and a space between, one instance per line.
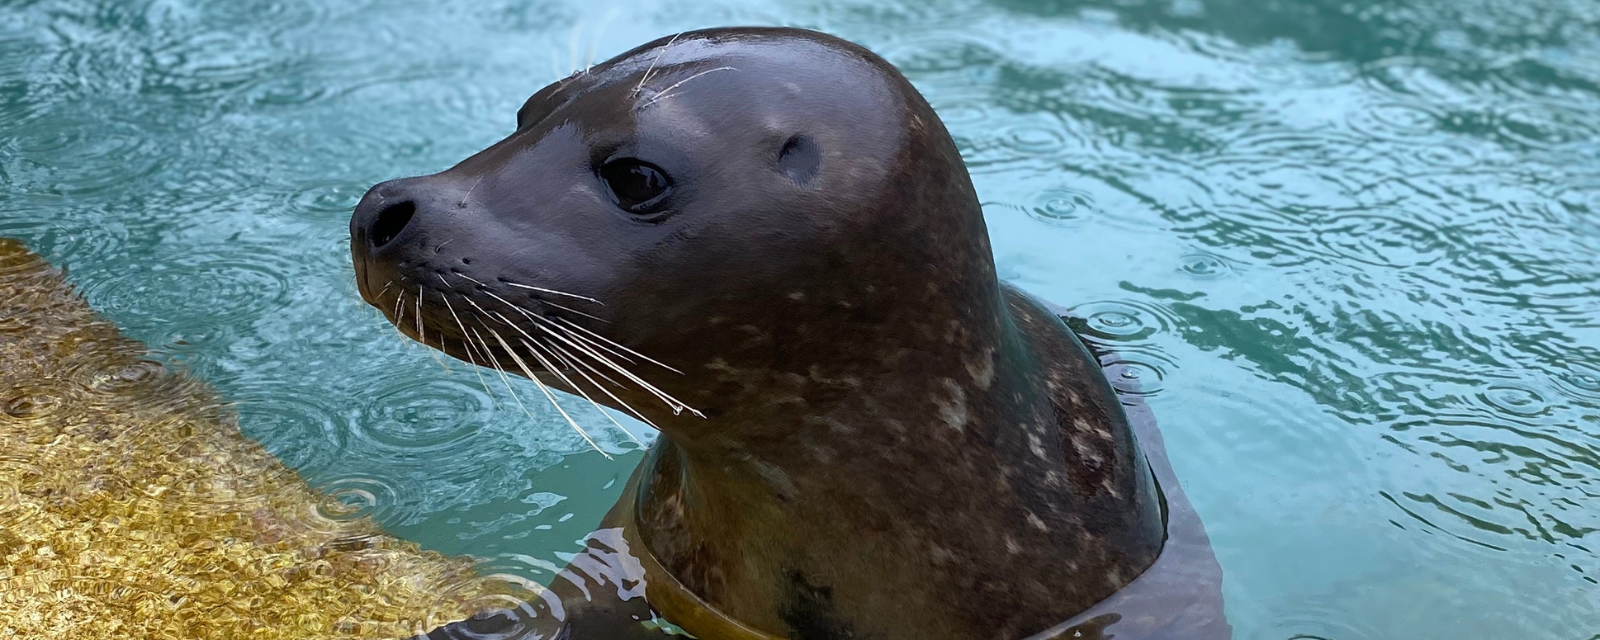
x=1036, y=522
x=798, y=295
x=1036, y=446
x=982, y=369
x=953, y=407
x=1085, y=449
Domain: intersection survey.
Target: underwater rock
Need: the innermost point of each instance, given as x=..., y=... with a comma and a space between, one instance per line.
x=132, y=507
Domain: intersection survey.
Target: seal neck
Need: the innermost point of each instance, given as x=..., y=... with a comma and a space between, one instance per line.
x=948, y=457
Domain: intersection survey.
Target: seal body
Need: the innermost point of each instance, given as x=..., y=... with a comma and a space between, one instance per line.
x=764, y=243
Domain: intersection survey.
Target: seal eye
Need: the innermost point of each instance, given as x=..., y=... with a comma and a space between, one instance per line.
x=638, y=186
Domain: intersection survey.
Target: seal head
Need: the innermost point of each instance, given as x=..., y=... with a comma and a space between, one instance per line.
x=764, y=243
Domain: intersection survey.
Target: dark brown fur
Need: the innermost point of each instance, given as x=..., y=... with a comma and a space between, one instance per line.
x=893, y=445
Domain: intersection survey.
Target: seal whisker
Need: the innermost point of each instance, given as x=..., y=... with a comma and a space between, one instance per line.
x=572, y=45
x=594, y=42
x=543, y=389
x=569, y=340
x=555, y=352
x=618, y=345
x=534, y=349
x=664, y=93
x=532, y=317
x=576, y=362
x=598, y=345
x=507, y=381
x=468, y=344
x=647, y=72
x=463, y=203
x=553, y=292
x=673, y=403
x=422, y=333
x=572, y=310
x=486, y=312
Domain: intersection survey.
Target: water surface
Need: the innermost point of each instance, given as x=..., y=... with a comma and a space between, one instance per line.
x=1351, y=249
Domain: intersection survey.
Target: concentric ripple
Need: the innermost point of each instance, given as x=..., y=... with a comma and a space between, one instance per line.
x=296, y=425
x=1384, y=241
x=1125, y=321
x=1141, y=373
x=1061, y=206
x=1204, y=266
x=215, y=287
x=417, y=415
x=1514, y=400
x=1581, y=381
x=1376, y=222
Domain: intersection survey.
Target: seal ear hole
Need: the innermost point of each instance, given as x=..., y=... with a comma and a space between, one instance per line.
x=800, y=158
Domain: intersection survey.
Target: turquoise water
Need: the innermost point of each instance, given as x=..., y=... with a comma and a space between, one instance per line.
x=1350, y=249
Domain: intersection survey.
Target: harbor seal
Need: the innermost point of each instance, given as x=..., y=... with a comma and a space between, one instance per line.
x=764, y=243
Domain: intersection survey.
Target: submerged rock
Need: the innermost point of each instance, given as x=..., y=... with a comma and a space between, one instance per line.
x=132, y=507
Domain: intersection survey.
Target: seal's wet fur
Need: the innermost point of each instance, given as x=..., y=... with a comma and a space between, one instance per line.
x=886, y=442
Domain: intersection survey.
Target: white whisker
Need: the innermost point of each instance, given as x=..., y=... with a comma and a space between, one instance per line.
x=598, y=345
x=618, y=345
x=554, y=292
x=594, y=42
x=575, y=363
x=422, y=334
x=572, y=45
x=534, y=349
x=549, y=396
x=535, y=318
x=671, y=402
x=507, y=381
x=662, y=52
x=468, y=343
x=572, y=310
x=482, y=310
x=664, y=93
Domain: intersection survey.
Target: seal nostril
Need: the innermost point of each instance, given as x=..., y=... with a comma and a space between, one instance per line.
x=391, y=221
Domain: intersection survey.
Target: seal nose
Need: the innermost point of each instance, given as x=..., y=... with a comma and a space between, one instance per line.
x=384, y=213
x=391, y=220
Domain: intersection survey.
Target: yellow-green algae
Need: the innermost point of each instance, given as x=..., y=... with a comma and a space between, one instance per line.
x=132, y=507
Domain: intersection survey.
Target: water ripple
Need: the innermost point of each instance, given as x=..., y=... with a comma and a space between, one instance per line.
x=1125, y=320
x=422, y=415
x=1380, y=220
x=296, y=425
x=204, y=288
x=1384, y=241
